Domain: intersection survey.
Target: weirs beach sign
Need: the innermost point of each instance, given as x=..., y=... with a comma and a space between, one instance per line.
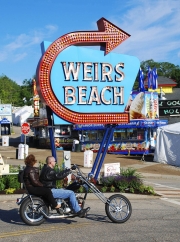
x=84, y=85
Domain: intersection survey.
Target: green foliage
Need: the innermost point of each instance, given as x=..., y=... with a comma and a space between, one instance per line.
x=121, y=183
x=81, y=189
x=165, y=69
x=112, y=188
x=59, y=183
x=104, y=189
x=59, y=167
x=13, y=169
x=10, y=190
x=11, y=181
x=11, y=92
x=41, y=164
x=89, y=190
x=2, y=185
x=129, y=180
x=149, y=190
x=129, y=172
x=107, y=181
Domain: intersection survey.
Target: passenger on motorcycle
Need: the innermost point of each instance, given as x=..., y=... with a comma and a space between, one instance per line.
x=32, y=183
x=48, y=178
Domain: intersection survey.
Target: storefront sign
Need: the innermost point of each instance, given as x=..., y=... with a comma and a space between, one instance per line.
x=143, y=105
x=169, y=107
x=169, y=103
x=83, y=85
x=111, y=169
x=169, y=111
x=5, y=110
x=131, y=124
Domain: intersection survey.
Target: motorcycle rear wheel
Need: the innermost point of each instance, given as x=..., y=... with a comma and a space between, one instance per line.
x=118, y=209
x=30, y=214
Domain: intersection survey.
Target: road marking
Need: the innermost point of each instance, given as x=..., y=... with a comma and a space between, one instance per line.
x=160, y=185
x=41, y=230
x=170, y=200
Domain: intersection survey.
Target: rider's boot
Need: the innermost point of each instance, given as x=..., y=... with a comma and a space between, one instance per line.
x=83, y=212
x=60, y=211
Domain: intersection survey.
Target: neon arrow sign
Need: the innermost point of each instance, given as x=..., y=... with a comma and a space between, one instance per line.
x=109, y=36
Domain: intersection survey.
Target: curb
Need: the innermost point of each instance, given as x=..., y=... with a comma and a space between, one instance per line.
x=90, y=196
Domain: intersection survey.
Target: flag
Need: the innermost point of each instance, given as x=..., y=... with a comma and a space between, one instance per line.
x=154, y=79
x=149, y=77
x=141, y=80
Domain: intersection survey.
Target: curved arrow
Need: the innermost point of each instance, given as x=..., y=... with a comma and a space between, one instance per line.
x=108, y=34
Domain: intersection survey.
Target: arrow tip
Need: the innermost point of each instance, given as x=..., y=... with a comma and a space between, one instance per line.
x=117, y=35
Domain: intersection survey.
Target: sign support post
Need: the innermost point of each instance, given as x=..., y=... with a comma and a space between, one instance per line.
x=25, y=128
x=102, y=151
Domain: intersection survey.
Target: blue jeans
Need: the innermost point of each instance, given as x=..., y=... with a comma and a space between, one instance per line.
x=64, y=194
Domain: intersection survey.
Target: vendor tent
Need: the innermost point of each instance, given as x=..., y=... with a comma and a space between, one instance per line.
x=167, y=148
x=5, y=126
x=5, y=121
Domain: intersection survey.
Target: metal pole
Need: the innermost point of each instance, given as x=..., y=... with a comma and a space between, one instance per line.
x=24, y=146
x=100, y=150
x=53, y=148
x=111, y=131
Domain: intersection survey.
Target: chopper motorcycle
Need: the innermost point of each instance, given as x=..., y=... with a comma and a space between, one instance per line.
x=35, y=210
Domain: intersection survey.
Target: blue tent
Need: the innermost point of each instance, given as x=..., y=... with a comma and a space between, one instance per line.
x=5, y=126
x=5, y=121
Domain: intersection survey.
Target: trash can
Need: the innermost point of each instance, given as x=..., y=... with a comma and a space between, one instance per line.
x=16, y=153
x=22, y=151
x=75, y=146
x=5, y=140
x=88, y=158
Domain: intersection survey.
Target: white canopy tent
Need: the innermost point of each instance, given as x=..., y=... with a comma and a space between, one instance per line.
x=167, y=148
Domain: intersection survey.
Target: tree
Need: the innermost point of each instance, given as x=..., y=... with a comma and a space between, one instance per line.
x=11, y=92
x=26, y=92
x=163, y=69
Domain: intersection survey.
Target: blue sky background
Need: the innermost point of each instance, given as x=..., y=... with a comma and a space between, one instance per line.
x=24, y=24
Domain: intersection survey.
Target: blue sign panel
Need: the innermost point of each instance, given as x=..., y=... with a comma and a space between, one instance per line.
x=86, y=81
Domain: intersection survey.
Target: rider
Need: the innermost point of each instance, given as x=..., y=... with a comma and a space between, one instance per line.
x=49, y=176
x=32, y=183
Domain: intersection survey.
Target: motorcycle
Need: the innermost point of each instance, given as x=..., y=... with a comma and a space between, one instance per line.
x=35, y=210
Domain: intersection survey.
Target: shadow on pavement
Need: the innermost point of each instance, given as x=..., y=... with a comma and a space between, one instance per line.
x=11, y=216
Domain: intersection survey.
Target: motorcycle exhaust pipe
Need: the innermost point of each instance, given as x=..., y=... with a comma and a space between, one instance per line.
x=55, y=216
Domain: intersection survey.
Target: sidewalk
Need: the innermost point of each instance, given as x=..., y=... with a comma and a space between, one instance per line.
x=147, y=168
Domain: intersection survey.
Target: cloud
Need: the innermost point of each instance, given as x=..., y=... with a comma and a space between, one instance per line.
x=52, y=28
x=19, y=57
x=154, y=29
x=2, y=56
x=21, y=45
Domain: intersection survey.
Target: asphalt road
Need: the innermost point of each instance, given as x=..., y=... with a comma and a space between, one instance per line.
x=152, y=219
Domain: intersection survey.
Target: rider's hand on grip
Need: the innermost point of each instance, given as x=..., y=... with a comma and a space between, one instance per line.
x=73, y=167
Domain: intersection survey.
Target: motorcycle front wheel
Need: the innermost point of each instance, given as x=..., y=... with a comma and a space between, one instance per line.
x=30, y=211
x=118, y=208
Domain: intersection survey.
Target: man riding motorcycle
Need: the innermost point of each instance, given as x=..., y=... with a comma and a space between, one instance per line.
x=48, y=178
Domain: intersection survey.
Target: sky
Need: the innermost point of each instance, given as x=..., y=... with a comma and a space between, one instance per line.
x=25, y=24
